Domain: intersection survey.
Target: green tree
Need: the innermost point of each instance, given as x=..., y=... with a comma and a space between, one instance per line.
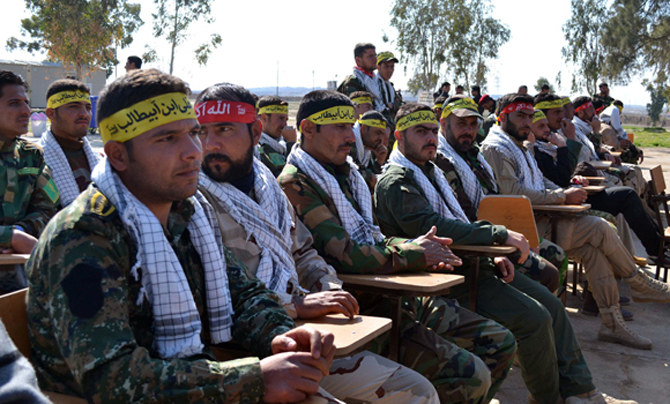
x=430, y=32
x=172, y=19
x=657, y=92
x=78, y=33
x=584, y=50
x=636, y=39
x=542, y=81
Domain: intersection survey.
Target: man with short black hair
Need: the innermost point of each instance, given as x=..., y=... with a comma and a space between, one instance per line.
x=133, y=63
x=443, y=91
x=363, y=102
x=476, y=93
x=459, y=89
x=272, y=147
x=363, y=77
x=66, y=150
x=523, y=89
x=604, y=94
x=391, y=98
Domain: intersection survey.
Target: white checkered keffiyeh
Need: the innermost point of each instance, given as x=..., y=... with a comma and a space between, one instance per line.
x=473, y=189
x=60, y=168
x=268, y=221
x=526, y=168
x=360, y=227
x=362, y=154
x=277, y=145
x=442, y=200
x=176, y=321
x=582, y=128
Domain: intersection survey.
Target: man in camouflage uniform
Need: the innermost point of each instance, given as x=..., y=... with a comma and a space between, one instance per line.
x=272, y=147
x=97, y=327
x=29, y=195
x=465, y=356
x=391, y=98
x=259, y=226
x=604, y=95
x=370, y=152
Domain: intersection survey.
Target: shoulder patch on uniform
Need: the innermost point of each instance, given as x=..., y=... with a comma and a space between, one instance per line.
x=29, y=171
x=100, y=205
x=277, y=159
x=51, y=191
x=83, y=288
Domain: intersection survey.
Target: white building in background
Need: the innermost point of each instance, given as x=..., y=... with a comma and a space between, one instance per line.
x=39, y=75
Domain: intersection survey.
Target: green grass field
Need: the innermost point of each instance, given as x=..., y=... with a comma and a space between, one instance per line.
x=649, y=137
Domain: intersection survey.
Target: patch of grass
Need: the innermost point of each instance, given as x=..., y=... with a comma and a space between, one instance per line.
x=649, y=137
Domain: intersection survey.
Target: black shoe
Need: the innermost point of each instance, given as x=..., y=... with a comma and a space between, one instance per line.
x=624, y=301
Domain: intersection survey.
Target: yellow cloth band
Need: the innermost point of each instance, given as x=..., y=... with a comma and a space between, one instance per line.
x=66, y=97
x=550, y=104
x=415, y=118
x=273, y=109
x=146, y=115
x=462, y=103
x=538, y=115
x=566, y=101
x=438, y=106
x=337, y=114
x=361, y=100
x=375, y=123
x=620, y=108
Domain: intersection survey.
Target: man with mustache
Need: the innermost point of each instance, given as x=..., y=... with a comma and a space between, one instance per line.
x=588, y=238
x=66, y=149
x=370, y=152
x=131, y=288
x=29, y=195
x=272, y=147
x=463, y=354
x=258, y=224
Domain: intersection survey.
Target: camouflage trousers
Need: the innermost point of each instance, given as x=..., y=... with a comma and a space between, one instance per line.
x=464, y=355
x=367, y=378
x=548, y=267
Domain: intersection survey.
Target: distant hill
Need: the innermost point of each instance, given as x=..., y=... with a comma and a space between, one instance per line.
x=283, y=91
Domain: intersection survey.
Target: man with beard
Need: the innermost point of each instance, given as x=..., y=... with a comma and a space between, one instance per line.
x=363, y=77
x=130, y=285
x=259, y=226
x=438, y=337
x=390, y=97
x=272, y=147
x=604, y=95
x=66, y=150
x=588, y=238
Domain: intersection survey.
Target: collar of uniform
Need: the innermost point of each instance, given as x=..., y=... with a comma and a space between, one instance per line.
x=69, y=144
x=180, y=215
x=337, y=170
x=7, y=145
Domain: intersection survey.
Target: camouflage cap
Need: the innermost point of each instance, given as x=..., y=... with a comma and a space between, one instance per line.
x=386, y=57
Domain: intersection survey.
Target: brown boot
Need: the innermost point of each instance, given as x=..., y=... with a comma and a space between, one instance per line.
x=614, y=329
x=646, y=289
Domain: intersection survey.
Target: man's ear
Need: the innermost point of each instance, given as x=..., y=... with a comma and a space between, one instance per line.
x=51, y=113
x=308, y=129
x=117, y=154
x=256, y=130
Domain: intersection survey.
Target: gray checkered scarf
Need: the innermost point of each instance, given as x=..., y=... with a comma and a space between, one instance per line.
x=526, y=168
x=177, y=324
x=277, y=145
x=442, y=200
x=360, y=226
x=60, y=168
x=468, y=178
x=268, y=221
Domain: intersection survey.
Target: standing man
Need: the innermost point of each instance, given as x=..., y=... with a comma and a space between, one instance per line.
x=363, y=77
x=604, y=95
x=272, y=147
x=476, y=92
x=133, y=63
x=130, y=285
x=330, y=197
x=29, y=195
x=391, y=98
x=66, y=149
x=523, y=89
x=443, y=91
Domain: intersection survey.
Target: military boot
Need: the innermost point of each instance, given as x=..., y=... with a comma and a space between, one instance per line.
x=646, y=289
x=614, y=329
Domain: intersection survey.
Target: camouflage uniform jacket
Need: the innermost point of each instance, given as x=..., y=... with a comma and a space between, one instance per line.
x=318, y=212
x=314, y=274
x=29, y=196
x=351, y=84
x=90, y=335
x=273, y=159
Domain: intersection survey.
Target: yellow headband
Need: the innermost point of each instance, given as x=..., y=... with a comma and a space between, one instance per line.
x=415, y=118
x=273, y=109
x=438, y=106
x=566, y=101
x=462, y=103
x=362, y=100
x=620, y=108
x=375, y=123
x=336, y=114
x=66, y=97
x=538, y=116
x=151, y=113
x=550, y=104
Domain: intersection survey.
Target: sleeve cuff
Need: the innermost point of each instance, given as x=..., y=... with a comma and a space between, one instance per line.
x=6, y=236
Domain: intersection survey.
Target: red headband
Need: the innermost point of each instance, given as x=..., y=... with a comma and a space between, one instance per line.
x=584, y=106
x=516, y=106
x=225, y=111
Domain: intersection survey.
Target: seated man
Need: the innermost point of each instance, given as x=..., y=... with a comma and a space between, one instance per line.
x=615, y=136
x=130, y=285
x=258, y=225
x=332, y=200
x=273, y=148
x=66, y=149
x=413, y=194
x=29, y=195
x=588, y=238
x=370, y=152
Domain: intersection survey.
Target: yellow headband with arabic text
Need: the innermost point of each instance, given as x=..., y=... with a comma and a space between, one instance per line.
x=362, y=100
x=68, y=96
x=538, y=115
x=550, y=104
x=145, y=115
x=462, y=103
x=375, y=123
x=273, y=109
x=566, y=101
x=415, y=118
x=336, y=114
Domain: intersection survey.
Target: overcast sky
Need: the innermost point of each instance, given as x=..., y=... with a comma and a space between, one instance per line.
x=306, y=43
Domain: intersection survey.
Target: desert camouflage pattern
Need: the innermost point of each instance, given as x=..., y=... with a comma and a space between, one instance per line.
x=92, y=338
